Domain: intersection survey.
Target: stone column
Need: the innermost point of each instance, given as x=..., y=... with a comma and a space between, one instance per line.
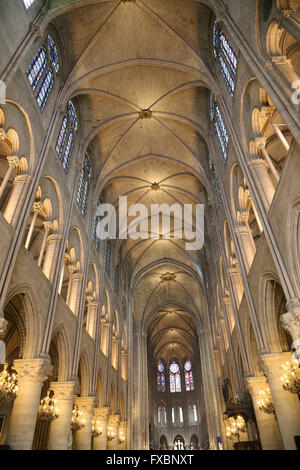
x=91, y=320
x=20, y=188
x=3, y=325
x=113, y=428
x=47, y=226
x=101, y=414
x=52, y=249
x=259, y=169
x=267, y=110
x=75, y=290
x=261, y=144
x=83, y=437
x=37, y=209
x=124, y=364
x=13, y=162
x=291, y=323
x=246, y=243
x=267, y=424
x=60, y=429
x=287, y=405
x=237, y=285
x=31, y=375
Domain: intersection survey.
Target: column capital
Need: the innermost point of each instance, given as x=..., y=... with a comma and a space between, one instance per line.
x=258, y=163
x=48, y=225
x=267, y=111
x=244, y=216
x=281, y=60
x=101, y=414
x=33, y=369
x=63, y=390
x=54, y=237
x=77, y=277
x=114, y=420
x=241, y=230
x=13, y=160
x=85, y=404
x=23, y=179
x=38, y=207
x=255, y=384
x=291, y=323
x=271, y=364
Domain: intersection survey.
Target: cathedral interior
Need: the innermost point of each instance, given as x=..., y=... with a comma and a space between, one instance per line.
x=138, y=343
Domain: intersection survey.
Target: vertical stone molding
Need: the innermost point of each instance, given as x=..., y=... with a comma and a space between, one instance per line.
x=101, y=415
x=91, y=320
x=247, y=247
x=267, y=424
x=113, y=427
x=259, y=168
x=287, y=405
x=60, y=429
x=31, y=375
x=83, y=438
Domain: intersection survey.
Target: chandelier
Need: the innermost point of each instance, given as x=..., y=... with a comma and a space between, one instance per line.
x=8, y=386
x=96, y=429
x=47, y=409
x=110, y=434
x=291, y=377
x=236, y=425
x=77, y=421
x=265, y=403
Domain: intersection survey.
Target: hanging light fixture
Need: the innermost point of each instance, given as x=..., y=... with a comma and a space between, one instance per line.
x=96, y=428
x=110, y=434
x=47, y=409
x=121, y=438
x=77, y=421
x=265, y=403
x=8, y=386
x=291, y=377
x=235, y=426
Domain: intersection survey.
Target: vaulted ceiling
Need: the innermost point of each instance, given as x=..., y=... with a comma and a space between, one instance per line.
x=124, y=58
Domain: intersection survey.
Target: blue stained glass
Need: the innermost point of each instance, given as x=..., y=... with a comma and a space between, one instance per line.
x=53, y=53
x=228, y=51
x=45, y=88
x=73, y=115
x=212, y=106
x=68, y=151
x=80, y=187
x=215, y=39
x=220, y=130
x=37, y=67
x=62, y=135
x=226, y=74
x=222, y=127
x=163, y=382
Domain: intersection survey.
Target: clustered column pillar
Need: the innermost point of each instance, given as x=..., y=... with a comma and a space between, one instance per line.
x=31, y=375
x=287, y=405
x=83, y=437
x=16, y=198
x=267, y=424
x=101, y=415
x=60, y=429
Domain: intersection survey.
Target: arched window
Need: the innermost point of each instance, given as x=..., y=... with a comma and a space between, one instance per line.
x=226, y=56
x=215, y=183
x=219, y=126
x=116, y=280
x=175, y=380
x=84, y=183
x=188, y=376
x=180, y=415
x=162, y=416
x=195, y=416
x=107, y=258
x=161, y=378
x=66, y=138
x=28, y=3
x=42, y=70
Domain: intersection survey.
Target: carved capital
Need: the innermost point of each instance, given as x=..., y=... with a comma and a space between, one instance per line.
x=291, y=323
x=258, y=163
x=281, y=60
x=48, y=225
x=38, y=207
x=85, y=404
x=255, y=384
x=23, y=179
x=36, y=370
x=63, y=390
x=114, y=421
x=6, y=145
x=13, y=161
x=267, y=111
x=244, y=216
x=101, y=414
x=271, y=364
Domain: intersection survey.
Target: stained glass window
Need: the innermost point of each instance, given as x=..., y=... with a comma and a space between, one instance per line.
x=40, y=76
x=219, y=127
x=216, y=184
x=64, y=146
x=161, y=379
x=116, y=283
x=28, y=3
x=175, y=379
x=226, y=57
x=83, y=188
x=45, y=88
x=188, y=376
x=95, y=223
x=53, y=53
x=37, y=67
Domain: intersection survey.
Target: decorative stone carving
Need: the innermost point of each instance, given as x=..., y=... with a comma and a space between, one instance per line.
x=33, y=369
